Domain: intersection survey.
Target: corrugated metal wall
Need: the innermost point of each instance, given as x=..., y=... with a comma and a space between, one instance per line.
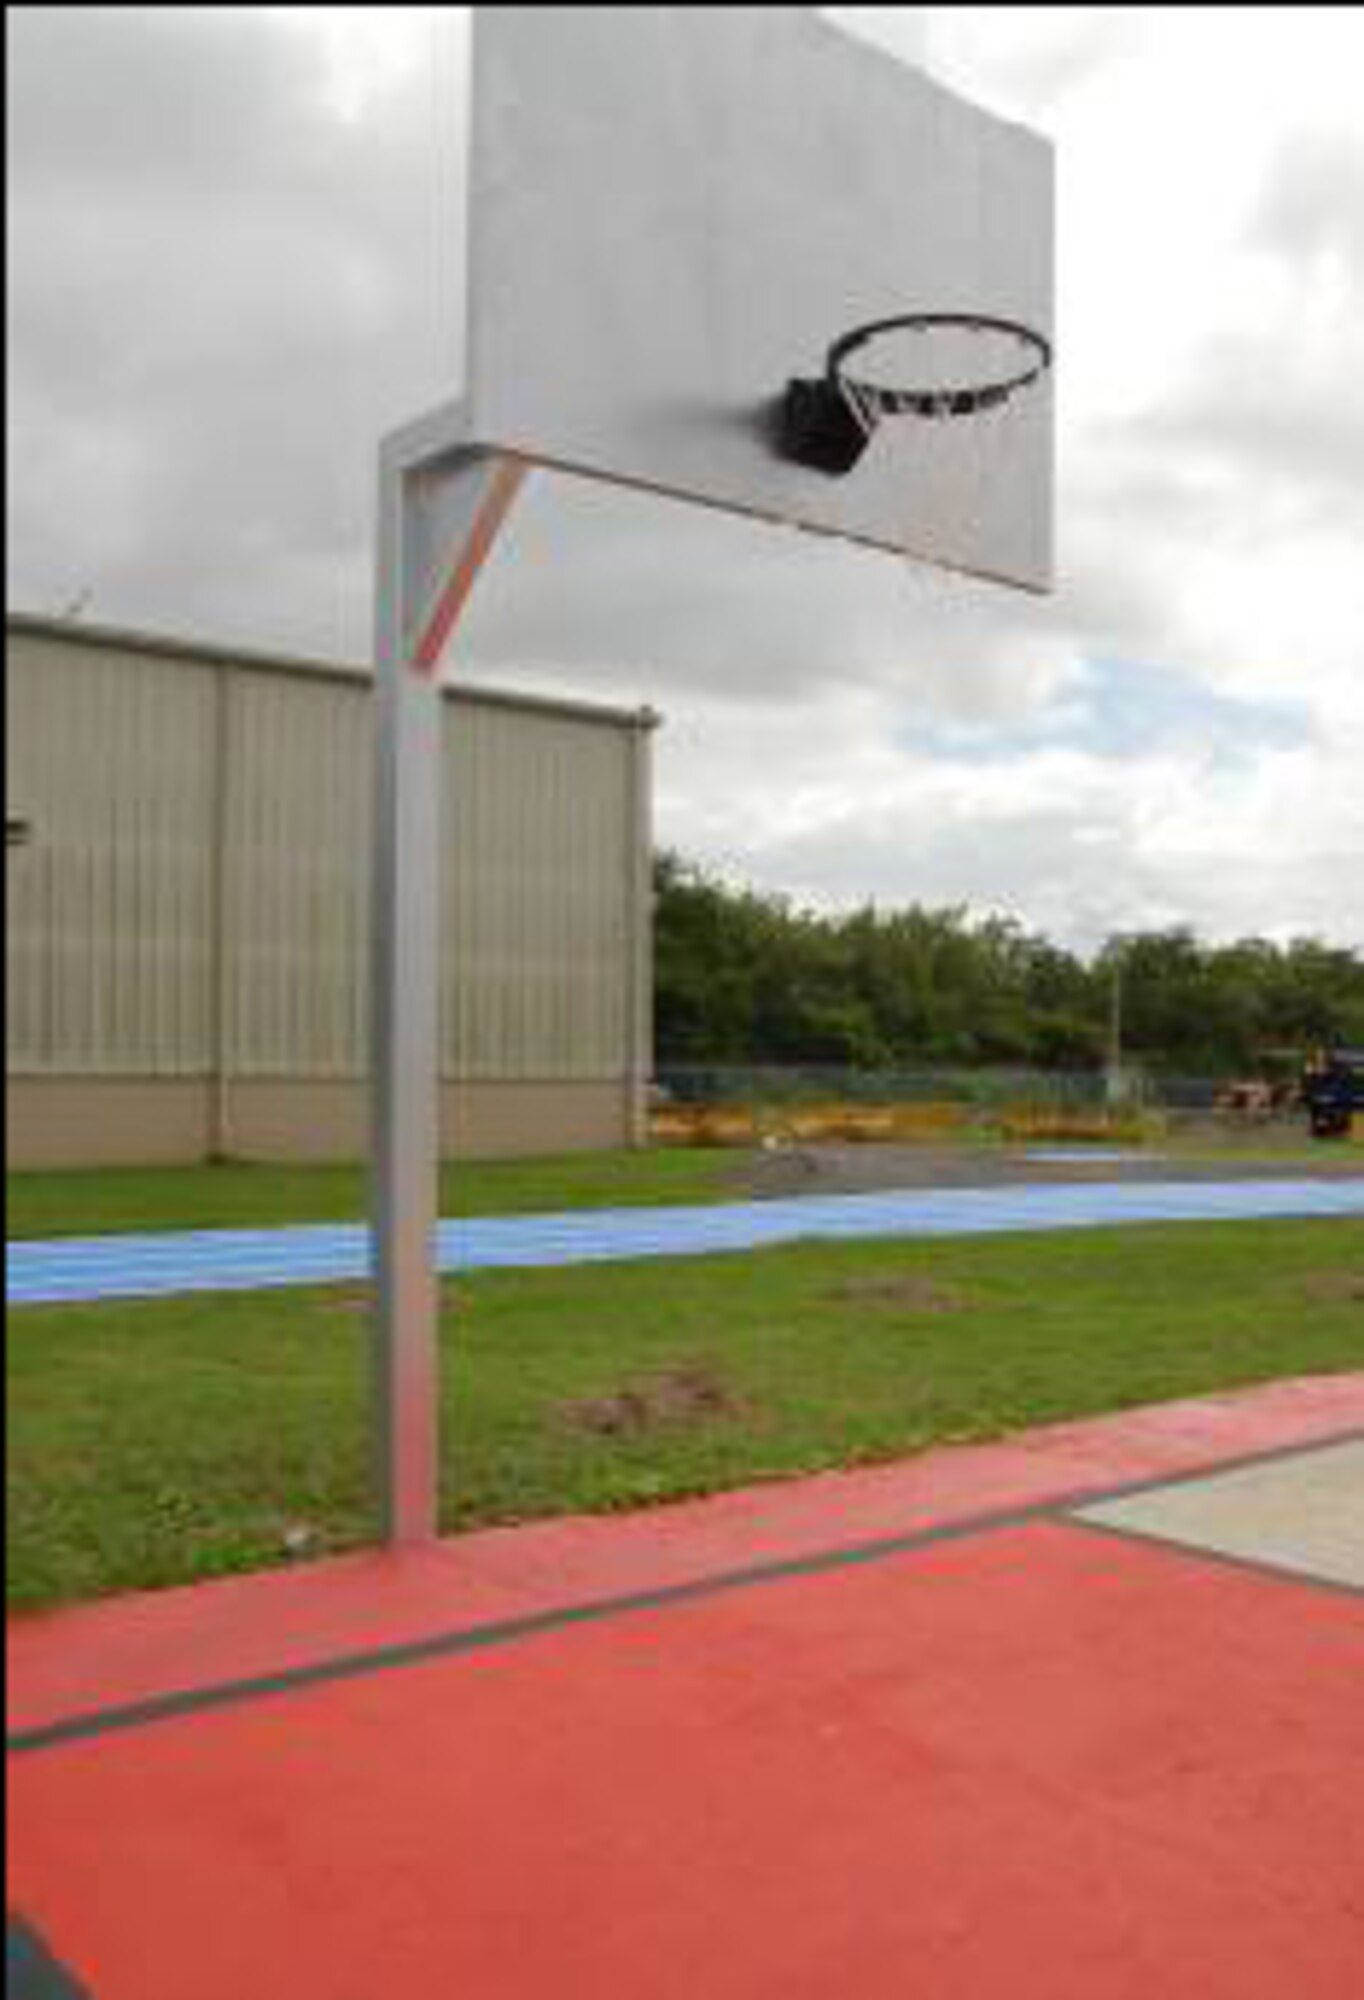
x=110, y=901
x=522, y=904
x=195, y=890
x=296, y=862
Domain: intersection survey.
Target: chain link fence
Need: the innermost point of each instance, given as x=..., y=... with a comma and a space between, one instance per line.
x=751, y=1102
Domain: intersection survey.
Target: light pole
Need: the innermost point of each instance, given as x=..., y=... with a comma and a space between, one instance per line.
x=1116, y=1089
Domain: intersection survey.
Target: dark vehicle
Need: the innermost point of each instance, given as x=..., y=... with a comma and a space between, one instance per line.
x=1333, y=1090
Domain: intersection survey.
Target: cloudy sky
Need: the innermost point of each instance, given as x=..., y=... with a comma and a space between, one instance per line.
x=235, y=260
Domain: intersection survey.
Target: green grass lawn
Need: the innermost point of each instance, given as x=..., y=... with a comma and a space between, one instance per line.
x=239, y=1195
x=156, y=1442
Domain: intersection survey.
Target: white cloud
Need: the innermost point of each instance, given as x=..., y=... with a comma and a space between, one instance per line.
x=235, y=260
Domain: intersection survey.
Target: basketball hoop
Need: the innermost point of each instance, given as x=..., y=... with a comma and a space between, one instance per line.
x=827, y=421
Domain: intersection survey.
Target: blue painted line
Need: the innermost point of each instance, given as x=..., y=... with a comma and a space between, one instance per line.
x=77, y=1269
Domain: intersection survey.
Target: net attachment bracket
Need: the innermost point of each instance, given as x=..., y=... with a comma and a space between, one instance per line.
x=827, y=421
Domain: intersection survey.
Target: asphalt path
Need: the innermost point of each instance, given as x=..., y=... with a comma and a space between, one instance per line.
x=858, y=1169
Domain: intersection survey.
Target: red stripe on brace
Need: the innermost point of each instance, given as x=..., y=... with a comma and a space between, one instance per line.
x=503, y=486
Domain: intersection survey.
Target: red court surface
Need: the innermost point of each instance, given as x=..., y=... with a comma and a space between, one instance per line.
x=908, y=1731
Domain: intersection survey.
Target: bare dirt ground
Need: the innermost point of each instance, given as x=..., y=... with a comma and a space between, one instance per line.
x=865, y=1169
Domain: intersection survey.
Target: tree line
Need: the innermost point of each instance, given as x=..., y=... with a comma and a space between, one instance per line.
x=743, y=978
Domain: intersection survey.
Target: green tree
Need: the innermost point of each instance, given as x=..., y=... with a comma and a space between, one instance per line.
x=748, y=979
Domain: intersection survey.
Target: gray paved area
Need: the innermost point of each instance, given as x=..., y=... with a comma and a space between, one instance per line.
x=828, y=1168
x=1304, y=1513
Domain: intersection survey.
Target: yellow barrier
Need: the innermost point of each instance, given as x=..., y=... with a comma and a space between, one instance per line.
x=827, y=1124
x=934, y=1120
x=706, y=1126
x=938, y=1122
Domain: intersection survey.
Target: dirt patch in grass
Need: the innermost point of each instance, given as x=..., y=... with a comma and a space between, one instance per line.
x=360, y=1299
x=348, y=1299
x=677, y=1396
x=1335, y=1288
x=898, y=1291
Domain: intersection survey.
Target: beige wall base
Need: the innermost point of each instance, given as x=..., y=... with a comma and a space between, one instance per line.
x=489, y=1121
x=287, y=1120
x=105, y=1121
x=108, y=1121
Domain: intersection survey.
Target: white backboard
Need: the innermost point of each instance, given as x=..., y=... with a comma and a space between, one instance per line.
x=673, y=210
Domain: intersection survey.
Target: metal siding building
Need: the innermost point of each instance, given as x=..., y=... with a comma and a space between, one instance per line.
x=188, y=930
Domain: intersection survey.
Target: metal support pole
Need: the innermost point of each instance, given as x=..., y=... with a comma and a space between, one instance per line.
x=440, y=505
x=639, y=892
x=221, y=914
